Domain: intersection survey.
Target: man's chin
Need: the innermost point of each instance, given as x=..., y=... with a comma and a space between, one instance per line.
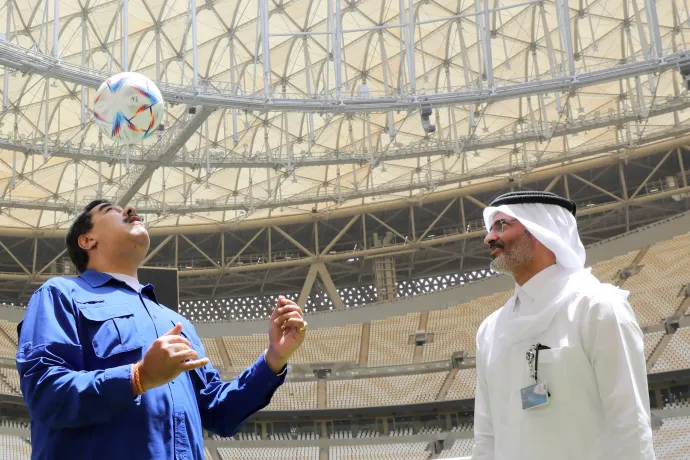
x=140, y=236
x=498, y=264
x=138, y=229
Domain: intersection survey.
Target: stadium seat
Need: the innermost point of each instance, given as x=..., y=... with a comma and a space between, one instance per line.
x=676, y=355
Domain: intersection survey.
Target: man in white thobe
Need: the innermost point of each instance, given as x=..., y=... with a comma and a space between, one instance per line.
x=591, y=352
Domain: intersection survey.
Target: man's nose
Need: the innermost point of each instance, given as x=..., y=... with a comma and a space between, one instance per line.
x=490, y=237
x=129, y=210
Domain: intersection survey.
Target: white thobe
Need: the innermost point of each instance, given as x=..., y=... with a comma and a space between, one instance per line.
x=595, y=370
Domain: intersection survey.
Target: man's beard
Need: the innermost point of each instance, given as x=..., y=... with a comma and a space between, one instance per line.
x=520, y=253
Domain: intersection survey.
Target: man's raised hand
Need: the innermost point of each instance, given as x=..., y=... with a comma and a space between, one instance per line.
x=167, y=357
x=286, y=333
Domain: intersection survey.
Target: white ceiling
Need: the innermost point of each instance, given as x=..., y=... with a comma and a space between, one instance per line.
x=330, y=159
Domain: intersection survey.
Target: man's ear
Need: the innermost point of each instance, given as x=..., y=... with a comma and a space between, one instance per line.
x=86, y=242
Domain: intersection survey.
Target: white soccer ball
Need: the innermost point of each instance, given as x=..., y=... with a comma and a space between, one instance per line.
x=128, y=107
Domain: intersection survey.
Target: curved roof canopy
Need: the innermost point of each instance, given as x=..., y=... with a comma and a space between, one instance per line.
x=303, y=104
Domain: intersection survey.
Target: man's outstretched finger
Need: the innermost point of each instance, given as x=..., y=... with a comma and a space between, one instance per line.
x=191, y=365
x=175, y=330
x=184, y=355
x=176, y=339
x=178, y=347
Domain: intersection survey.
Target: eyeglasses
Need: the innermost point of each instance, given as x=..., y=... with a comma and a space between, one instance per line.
x=499, y=226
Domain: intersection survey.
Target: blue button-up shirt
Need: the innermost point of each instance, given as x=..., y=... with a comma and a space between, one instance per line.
x=77, y=343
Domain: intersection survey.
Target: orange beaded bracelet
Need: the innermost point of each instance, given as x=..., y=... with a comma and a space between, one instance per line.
x=137, y=381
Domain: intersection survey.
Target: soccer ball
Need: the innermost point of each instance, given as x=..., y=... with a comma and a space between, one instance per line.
x=128, y=107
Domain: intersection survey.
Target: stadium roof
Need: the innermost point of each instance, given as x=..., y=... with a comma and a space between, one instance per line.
x=316, y=103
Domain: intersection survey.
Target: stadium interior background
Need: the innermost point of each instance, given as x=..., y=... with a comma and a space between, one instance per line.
x=340, y=152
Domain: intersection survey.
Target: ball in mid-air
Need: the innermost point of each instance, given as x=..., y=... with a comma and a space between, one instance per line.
x=128, y=107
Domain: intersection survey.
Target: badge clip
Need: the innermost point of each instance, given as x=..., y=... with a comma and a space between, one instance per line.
x=538, y=394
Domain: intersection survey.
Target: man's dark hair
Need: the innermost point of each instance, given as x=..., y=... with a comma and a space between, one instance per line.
x=82, y=224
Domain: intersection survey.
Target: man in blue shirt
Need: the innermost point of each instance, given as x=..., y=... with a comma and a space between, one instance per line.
x=108, y=372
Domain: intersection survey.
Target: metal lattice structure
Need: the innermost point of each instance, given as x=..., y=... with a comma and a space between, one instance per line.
x=246, y=308
x=308, y=141
x=318, y=101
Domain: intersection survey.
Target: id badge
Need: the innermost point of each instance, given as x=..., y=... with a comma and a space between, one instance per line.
x=534, y=396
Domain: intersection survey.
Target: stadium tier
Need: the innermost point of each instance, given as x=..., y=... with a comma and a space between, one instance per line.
x=213, y=352
x=14, y=448
x=243, y=351
x=389, y=344
x=463, y=385
x=455, y=328
x=295, y=396
x=676, y=355
x=9, y=382
x=397, y=451
x=385, y=391
x=332, y=345
x=672, y=440
x=651, y=341
x=653, y=276
x=269, y=453
x=655, y=291
x=607, y=271
x=8, y=349
x=459, y=448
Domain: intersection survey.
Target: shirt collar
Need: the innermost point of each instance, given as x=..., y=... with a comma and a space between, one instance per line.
x=94, y=278
x=97, y=279
x=535, y=285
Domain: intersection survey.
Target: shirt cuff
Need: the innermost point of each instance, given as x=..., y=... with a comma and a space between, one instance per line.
x=264, y=372
x=117, y=383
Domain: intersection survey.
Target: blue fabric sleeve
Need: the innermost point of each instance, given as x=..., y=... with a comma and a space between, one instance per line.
x=56, y=388
x=225, y=406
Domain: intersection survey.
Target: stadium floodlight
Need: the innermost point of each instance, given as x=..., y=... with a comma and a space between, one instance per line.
x=685, y=73
x=425, y=112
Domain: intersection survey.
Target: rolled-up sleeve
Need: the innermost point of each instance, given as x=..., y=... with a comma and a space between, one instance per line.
x=56, y=388
x=225, y=406
x=615, y=347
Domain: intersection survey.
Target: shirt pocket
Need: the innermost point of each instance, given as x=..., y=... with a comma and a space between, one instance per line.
x=551, y=369
x=112, y=329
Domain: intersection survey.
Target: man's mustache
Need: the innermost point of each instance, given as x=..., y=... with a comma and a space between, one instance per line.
x=496, y=245
x=129, y=218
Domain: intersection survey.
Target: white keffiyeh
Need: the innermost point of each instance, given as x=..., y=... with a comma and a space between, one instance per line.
x=552, y=225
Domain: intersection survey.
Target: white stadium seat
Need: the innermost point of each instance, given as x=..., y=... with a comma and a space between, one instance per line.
x=398, y=451
x=676, y=355
x=672, y=440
